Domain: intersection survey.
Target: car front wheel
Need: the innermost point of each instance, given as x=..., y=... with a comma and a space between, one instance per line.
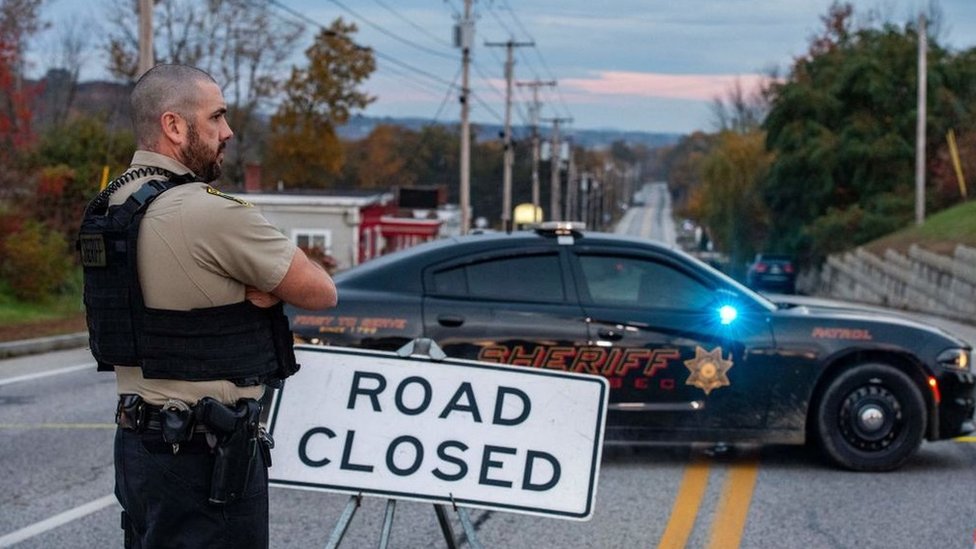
x=870, y=418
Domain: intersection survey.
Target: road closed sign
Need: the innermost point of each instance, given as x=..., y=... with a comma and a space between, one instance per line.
x=476, y=434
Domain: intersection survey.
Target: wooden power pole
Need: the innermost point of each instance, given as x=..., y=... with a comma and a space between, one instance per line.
x=509, y=152
x=920, y=124
x=555, y=190
x=146, y=58
x=464, y=38
x=534, y=110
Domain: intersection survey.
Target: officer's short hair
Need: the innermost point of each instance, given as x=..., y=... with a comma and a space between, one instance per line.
x=163, y=88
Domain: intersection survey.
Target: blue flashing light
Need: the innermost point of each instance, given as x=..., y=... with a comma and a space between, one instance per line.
x=727, y=314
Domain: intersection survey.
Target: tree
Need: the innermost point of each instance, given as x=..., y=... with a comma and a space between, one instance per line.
x=303, y=148
x=35, y=261
x=735, y=212
x=69, y=162
x=70, y=49
x=683, y=164
x=842, y=127
x=240, y=42
x=743, y=111
x=19, y=20
x=377, y=162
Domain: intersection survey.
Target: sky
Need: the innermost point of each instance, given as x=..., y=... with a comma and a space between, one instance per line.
x=634, y=65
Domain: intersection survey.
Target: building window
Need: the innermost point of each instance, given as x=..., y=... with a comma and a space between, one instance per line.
x=313, y=239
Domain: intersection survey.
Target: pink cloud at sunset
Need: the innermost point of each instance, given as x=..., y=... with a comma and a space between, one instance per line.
x=695, y=87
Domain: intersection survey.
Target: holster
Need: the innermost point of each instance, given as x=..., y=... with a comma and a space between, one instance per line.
x=237, y=443
x=131, y=413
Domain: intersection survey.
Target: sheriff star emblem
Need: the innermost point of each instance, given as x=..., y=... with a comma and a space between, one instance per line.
x=708, y=369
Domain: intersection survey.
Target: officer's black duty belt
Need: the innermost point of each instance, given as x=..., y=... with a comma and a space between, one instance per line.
x=135, y=414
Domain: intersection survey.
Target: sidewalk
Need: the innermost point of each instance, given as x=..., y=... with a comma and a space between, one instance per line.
x=12, y=349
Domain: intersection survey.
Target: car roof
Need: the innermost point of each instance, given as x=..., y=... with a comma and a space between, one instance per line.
x=408, y=265
x=444, y=249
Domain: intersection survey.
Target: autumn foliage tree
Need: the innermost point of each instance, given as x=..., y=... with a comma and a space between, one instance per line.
x=303, y=148
x=35, y=261
x=376, y=162
x=733, y=173
x=18, y=21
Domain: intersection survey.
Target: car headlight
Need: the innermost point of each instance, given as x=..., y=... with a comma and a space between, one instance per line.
x=955, y=359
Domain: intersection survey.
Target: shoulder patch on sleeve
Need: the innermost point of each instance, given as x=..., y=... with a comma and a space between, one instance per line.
x=241, y=201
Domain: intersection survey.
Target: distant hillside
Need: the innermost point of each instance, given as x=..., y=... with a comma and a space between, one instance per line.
x=359, y=127
x=110, y=100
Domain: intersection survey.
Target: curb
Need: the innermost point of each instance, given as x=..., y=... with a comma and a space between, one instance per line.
x=43, y=344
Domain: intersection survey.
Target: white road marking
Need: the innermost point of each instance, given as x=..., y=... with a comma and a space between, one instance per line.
x=48, y=373
x=38, y=528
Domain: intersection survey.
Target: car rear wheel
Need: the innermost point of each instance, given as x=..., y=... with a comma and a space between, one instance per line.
x=870, y=418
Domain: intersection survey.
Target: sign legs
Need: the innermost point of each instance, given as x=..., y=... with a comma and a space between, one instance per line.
x=335, y=538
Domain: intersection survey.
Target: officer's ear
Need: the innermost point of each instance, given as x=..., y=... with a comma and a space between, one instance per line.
x=175, y=128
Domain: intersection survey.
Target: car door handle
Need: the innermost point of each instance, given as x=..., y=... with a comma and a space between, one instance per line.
x=610, y=335
x=451, y=321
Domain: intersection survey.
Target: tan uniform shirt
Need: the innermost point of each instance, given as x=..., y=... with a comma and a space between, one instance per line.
x=199, y=248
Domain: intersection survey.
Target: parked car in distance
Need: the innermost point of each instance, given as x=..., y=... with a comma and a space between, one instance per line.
x=772, y=272
x=691, y=355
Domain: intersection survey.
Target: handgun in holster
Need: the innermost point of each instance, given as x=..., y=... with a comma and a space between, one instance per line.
x=236, y=429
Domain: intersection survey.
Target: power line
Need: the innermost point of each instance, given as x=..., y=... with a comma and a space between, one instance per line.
x=375, y=52
x=487, y=107
x=423, y=30
x=390, y=33
x=518, y=22
x=488, y=81
x=447, y=95
x=516, y=19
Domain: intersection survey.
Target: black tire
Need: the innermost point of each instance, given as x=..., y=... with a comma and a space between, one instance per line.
x=871, y=418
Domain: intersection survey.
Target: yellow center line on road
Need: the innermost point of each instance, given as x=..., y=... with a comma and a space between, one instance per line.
x=57, y=426
x=686, y=505
x=733, y=507
x=965, y=439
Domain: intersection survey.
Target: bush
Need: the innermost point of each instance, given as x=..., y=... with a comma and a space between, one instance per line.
x=35, y=263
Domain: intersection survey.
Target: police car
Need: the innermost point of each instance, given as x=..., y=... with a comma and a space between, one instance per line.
x=690, y=354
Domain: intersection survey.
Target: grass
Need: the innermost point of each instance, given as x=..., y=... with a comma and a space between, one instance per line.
x=66, y=304
x=940, y=233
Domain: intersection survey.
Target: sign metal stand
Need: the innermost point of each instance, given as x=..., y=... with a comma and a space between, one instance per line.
x=430, y=349
x=335, y=538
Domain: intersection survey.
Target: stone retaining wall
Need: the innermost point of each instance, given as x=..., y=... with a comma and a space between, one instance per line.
x=917, y=281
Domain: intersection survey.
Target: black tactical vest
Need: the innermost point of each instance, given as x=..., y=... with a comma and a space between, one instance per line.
x=242, y=343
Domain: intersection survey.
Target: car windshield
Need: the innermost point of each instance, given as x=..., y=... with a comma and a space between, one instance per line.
x=736, y=286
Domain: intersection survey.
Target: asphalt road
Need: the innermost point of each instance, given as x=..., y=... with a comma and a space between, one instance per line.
x=653, y=219
x=57, y=482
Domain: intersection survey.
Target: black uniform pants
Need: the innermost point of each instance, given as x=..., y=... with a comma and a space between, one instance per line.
x=165, y=496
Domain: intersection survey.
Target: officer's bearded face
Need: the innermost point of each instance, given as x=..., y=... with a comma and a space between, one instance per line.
x=202, y=158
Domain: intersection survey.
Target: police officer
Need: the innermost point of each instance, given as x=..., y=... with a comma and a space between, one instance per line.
x=194, y=334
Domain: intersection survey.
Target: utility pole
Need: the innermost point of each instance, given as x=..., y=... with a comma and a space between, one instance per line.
x=146, y=59
x=464, y=38
x=920, y=123
x=572, y=185
x=509, y=157
x=555, y=190
x=534, y=110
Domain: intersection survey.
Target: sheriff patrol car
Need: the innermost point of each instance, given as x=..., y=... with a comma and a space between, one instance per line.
x=690, y=354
